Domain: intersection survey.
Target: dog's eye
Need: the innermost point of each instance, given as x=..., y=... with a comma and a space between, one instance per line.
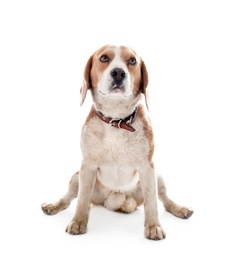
x=104, y=58
x=132, y=61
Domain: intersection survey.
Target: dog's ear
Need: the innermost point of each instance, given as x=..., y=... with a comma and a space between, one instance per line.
x=86, y=81
x=144, y=83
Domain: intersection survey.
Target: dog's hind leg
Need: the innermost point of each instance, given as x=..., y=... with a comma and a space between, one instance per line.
x=177, y=210
x=64, y=202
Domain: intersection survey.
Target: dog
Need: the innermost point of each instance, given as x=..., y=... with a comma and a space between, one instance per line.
x=117, y=144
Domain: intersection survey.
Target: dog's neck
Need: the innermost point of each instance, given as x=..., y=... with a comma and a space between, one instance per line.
x=117, y=108
x=124, y=123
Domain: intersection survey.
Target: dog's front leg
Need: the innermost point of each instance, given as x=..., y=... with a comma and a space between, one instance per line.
x=78, y=224
x=148, y=182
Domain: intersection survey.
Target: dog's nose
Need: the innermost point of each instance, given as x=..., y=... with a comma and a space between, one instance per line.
x=118, y=74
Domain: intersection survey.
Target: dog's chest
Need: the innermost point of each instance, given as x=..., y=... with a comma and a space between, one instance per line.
x=103, y=143
x=117, y=154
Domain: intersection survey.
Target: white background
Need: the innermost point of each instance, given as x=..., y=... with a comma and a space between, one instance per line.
x=44, y=46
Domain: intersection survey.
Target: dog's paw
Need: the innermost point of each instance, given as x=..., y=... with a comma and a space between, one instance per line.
x=181, y=211
x=76, y=227
x=186, y=212
x=128, y=206
x=154, y=233
x=50, y=208
x=114, y=200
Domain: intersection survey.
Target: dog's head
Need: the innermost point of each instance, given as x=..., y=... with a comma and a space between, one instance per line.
x=116, y=76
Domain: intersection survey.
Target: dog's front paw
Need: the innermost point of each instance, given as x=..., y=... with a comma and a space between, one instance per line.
x=77, y=227
x=154, y=232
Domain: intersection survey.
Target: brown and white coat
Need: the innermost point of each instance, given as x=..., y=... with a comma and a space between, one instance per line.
x=117, y=168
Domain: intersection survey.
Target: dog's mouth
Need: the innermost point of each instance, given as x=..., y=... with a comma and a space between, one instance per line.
x=116, y=90
x=117, y=86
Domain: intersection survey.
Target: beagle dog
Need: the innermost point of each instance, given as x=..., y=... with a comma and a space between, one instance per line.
x=117, y=145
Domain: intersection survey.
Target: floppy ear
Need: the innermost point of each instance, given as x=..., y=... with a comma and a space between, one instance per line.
x=144, y=83
x=86, y=81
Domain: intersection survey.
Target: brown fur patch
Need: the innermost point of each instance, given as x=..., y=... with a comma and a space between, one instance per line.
x=91, y=114
x=99, y=67
x=148, y=132
x=134, y=70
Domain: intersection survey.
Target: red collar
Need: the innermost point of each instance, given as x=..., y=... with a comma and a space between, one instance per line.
x=124, y=123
